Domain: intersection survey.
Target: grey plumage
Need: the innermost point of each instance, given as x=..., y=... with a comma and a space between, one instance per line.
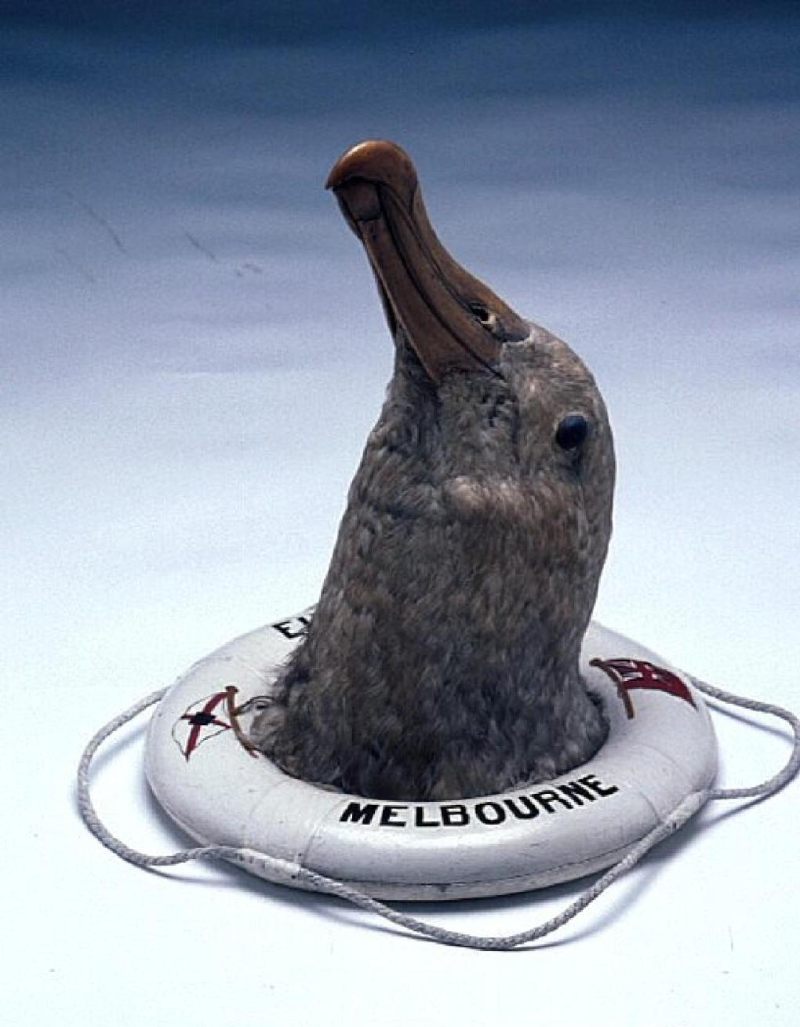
x=442, y=660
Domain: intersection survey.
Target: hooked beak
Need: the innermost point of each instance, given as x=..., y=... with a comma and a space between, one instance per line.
x=451, y=319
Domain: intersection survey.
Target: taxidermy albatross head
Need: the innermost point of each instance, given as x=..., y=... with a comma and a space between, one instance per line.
x=442, y=660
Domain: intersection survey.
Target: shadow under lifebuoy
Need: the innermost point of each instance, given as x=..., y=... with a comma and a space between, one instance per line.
x=628, y=892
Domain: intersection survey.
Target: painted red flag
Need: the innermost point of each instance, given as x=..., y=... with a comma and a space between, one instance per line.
x=202, y=720
x=628, y=674
x=214, y=714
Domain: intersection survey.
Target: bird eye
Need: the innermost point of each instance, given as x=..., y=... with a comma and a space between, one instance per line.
x=572, y=431
x=483, y=314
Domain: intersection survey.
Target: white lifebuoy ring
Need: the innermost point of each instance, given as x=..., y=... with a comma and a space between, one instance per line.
x=660, y=751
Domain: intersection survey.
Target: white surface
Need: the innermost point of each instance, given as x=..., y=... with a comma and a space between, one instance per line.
x=180, y=424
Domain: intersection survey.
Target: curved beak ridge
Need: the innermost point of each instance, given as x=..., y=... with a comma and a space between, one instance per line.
x=451, y=319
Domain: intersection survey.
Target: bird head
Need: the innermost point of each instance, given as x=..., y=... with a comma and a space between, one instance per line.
x=443, y=656
x=499, y=419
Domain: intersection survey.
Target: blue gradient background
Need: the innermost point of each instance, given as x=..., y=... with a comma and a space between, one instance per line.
x=193, y=353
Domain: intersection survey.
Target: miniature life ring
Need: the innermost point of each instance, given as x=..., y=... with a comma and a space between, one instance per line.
x=661, y=750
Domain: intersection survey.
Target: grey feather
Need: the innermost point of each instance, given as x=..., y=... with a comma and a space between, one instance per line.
x=442, y=660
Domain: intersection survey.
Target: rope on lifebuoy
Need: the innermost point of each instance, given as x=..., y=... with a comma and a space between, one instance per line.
x=678, y=817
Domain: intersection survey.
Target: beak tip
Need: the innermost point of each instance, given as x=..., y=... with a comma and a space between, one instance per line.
x=376, y=160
